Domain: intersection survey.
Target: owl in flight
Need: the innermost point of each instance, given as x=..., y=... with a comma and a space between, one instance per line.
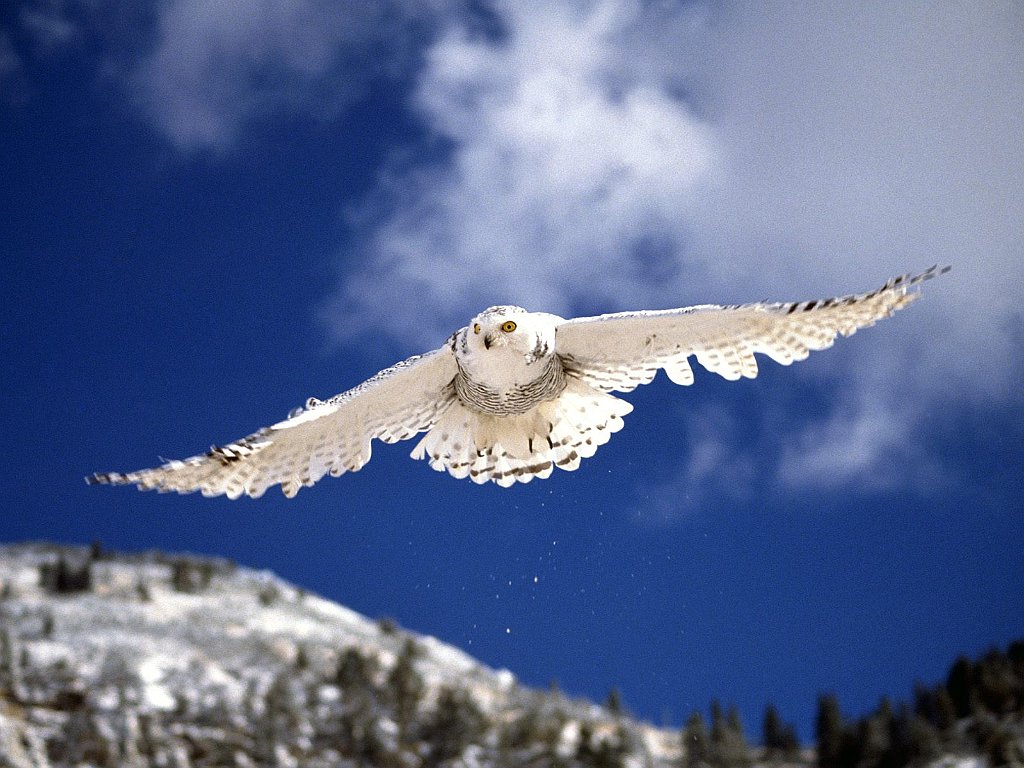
x=515, y=394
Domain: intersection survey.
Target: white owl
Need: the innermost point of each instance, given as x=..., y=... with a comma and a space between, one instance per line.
x=515, y=394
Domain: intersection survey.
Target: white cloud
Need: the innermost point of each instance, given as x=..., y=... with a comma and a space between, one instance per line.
x=49, y=23
x=217, y=65
x=615, y=154
x=713, y=470
x=863, y=140
x=863, y=443
x=571, y=179
x=202, y=72
x=10, y=62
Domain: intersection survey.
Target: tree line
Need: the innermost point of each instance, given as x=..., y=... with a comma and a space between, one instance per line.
x=978, y=709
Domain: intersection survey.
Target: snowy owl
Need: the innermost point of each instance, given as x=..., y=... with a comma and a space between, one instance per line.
x=514, y=394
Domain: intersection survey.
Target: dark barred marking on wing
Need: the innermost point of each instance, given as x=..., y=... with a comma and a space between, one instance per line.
x=324, y=437
x=621, y=351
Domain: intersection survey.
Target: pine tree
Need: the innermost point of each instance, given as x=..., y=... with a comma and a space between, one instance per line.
x=779, y=738
x=455, y=724
x=585, y=746
x=405, y=687
x=925, y=744
x=523, y=731
x=728, y=742
x=553, y=725
x=63, y=577
x=283, y=714
x=945, y=712
x=593, y=752
x=738, y=752
x=717, y=722
x=614, y=702
x=828, y=731
x=960, y=684
x=10, y=667
x=874, y=741
x=356, y=678
x=190, y=576
x=997, y=683
x=696, y=742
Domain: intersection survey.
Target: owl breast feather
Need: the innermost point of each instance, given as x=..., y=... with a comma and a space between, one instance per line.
x=476, y=394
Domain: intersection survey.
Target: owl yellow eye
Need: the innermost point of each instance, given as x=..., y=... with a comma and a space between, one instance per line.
x=476, y=327
x=508, y=326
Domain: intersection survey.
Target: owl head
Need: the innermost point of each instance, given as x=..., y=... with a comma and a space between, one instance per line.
x=507, y=329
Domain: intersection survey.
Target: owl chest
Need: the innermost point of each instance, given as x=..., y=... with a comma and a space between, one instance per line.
x=505, y=389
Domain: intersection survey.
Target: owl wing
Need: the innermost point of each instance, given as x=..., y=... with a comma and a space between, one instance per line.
x=618, y=352
x=326, y=436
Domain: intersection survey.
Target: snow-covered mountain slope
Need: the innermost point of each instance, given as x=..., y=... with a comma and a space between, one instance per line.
x=166, y=660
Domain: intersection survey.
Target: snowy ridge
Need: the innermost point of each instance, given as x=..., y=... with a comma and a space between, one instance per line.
x=171, y=660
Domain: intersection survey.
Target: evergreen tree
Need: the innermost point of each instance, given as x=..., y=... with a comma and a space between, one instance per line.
x=614, y=702
x=925, y=744
x=595, y=752
x=696, y=742
x=996, y=683
x=913, y=739
x=455, y=724
x=945, y=712
x=522, y=732
x=874, y=742
x=779, y=738
x=359, y=696
x=771, y=728
x=283, y=713
x=1000, y=745
x=728, y=742
x=64, y=578
x=828, y=731
x=738, y=752
x=960, y=684
x=717, y=722
x=405, y=688
x=585, y=746
x=190, y=576
x=10, y=667
x=356, y=672
x=553, y=724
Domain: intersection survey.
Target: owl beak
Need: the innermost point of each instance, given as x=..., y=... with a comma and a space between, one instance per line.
x=489, y=340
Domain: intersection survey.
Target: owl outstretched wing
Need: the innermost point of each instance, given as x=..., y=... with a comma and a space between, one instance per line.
x=326, y=436
x=620, y=351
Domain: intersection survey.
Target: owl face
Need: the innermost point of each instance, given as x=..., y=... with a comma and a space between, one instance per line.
x=503, y=330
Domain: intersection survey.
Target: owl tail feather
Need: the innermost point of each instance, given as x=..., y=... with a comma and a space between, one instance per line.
x=517, y=448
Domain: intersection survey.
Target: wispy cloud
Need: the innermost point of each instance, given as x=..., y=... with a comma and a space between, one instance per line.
x=868, y=444
x=615, y=154
x=218, y=65
x=570, y=182
x=10, y=62
x=713, y=470
x=870, y=140
x=204, y=72
x=610, y=156
x=50, y=23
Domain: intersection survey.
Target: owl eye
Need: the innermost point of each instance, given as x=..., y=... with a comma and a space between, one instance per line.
x=476, y=327
x=508, y=326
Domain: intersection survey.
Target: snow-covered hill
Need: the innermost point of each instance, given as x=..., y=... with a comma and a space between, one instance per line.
x=161, y=660
x=177, y=661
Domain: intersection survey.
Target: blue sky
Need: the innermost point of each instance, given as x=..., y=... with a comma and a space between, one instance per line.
x=209, y=213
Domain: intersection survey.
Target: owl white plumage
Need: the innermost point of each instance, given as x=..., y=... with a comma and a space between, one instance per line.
x=515, y=394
